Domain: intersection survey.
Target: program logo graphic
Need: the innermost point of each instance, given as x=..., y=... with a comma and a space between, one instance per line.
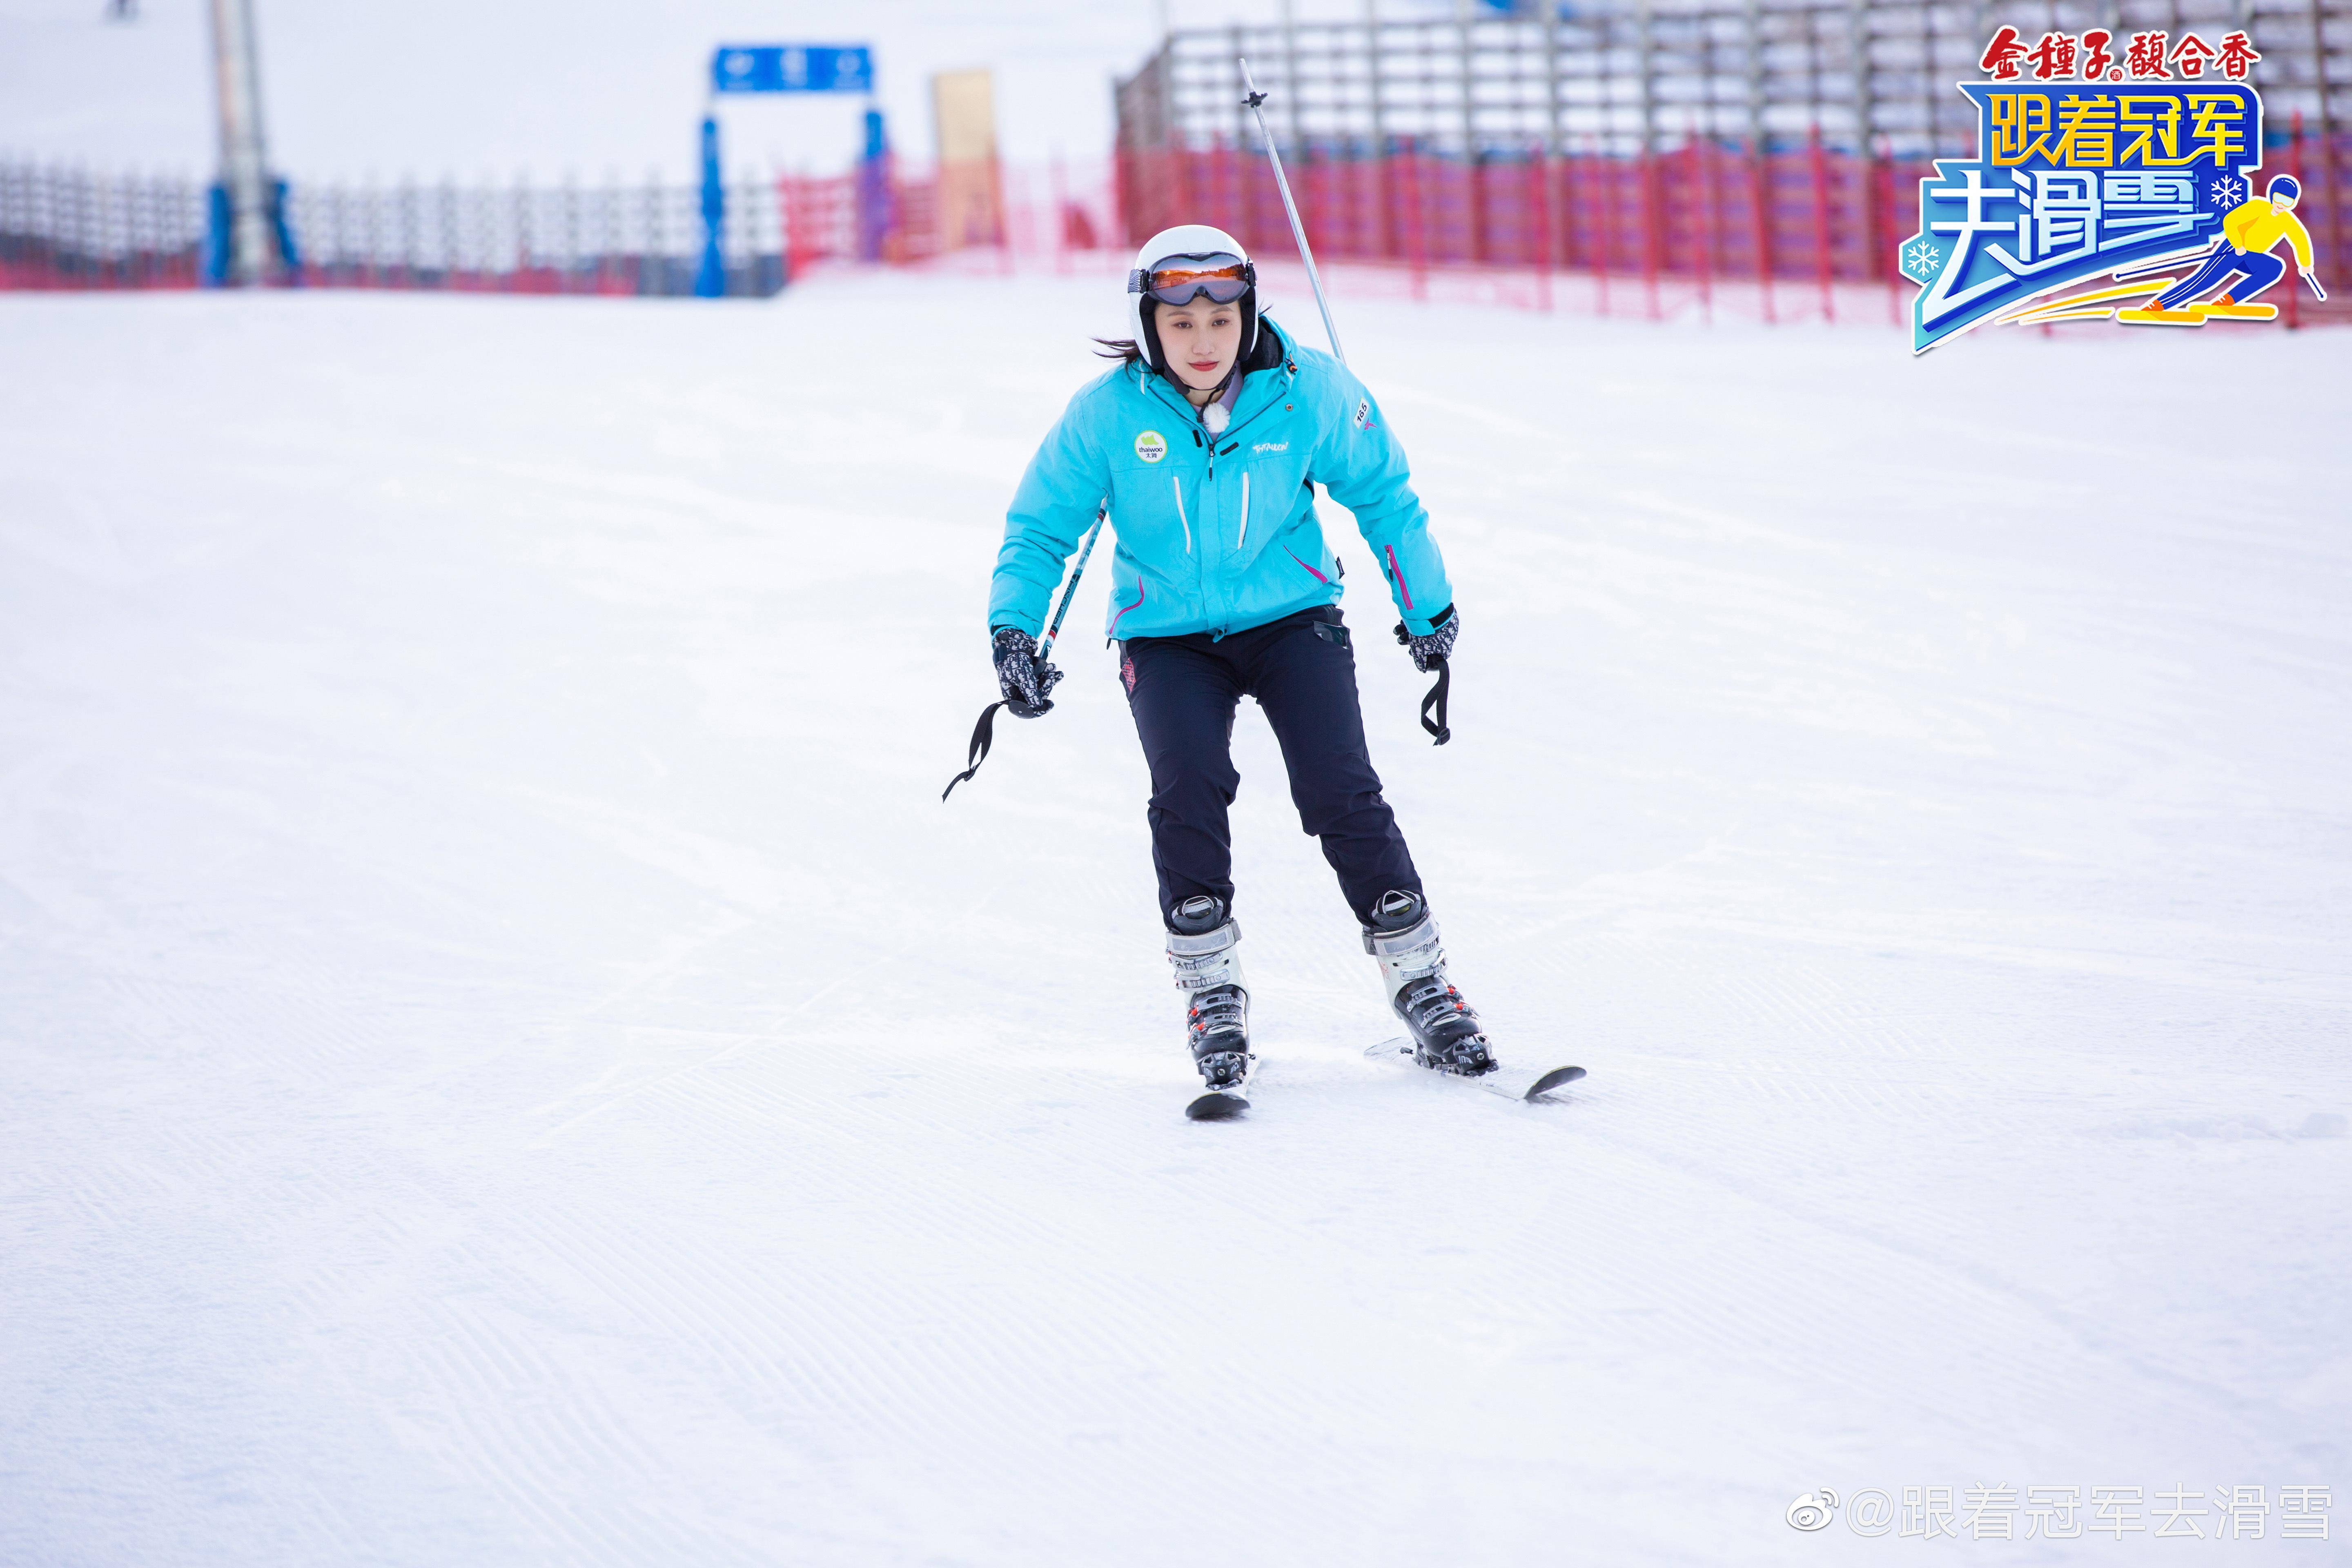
x=1813, y=1510
x=2135, y=172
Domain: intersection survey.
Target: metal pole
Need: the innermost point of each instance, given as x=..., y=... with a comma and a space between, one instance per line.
x=1465, y=49
x=1252, y=100
x=1645, y=45
x=1928, y=97
x=244, y=159
x=1290, y=77
x=1866, y=122
x=1865, y=137
x=1379, y=129
x=1240, y=165
x=1061, y=224
x=1473, y=185
x=1046, y=648
x=1754, y=16
x=1552, y=81
x=1546, y=188
x=2327, y=149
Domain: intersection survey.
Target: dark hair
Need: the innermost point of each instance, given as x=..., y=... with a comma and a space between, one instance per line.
x=1124, y=350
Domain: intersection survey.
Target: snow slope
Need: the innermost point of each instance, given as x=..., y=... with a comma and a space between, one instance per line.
x=507, y=1058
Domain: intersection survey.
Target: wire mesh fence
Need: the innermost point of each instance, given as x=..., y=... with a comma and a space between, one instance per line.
x=69, y=228
x=569, y=238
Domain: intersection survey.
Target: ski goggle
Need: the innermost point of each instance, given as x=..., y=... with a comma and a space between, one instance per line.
x=1181, y=280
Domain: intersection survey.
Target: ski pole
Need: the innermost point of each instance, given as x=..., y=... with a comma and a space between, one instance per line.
x=1252, y=101
x=2165, y=263
x=984, y=734
x=1046, y=648
x=1297, y=230
x=2313, y=281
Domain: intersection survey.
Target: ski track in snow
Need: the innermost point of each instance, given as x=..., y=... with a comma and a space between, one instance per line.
x=509, y=1060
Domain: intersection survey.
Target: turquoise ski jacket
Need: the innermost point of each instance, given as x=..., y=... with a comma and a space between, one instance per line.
x=1217, y=536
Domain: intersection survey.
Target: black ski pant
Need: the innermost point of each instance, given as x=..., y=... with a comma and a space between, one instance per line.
x=1184, y=691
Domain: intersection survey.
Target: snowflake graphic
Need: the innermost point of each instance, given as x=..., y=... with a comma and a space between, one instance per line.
x=2228, y=191
x=1921, y=258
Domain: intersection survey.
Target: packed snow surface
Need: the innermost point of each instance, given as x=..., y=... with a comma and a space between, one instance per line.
x=507, y=1059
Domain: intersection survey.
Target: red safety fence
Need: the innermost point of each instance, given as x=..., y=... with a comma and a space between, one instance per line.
x=34, y=266
x=1031, y=214
x=1803, y=232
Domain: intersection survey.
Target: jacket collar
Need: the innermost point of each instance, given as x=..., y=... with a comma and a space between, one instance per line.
x=1266, y=375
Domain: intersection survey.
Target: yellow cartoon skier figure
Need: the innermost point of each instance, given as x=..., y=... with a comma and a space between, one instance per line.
x=2248, y=233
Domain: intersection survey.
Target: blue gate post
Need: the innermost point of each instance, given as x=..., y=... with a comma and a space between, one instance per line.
x=216, y=234
x=790, y=68
x=711, y=277
x=873, y=190
x=289, y=252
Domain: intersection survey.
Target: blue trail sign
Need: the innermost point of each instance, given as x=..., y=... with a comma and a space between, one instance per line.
x=792, y=67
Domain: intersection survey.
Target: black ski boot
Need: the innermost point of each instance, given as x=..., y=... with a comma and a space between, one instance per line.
x=1203, y=947
x=1446, y=1035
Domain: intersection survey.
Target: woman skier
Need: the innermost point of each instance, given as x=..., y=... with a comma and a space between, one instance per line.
x=1205, y=444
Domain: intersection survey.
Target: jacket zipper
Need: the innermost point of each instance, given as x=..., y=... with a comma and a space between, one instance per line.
x=1150, y=387
x=1396, y=575
x=1177, y=405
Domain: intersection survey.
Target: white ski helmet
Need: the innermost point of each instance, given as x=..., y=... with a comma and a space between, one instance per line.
x=1193, y=240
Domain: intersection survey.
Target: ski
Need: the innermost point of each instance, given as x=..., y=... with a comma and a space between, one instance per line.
x=1227, y=1101
x=1512, y=1083
x=1217, y=1105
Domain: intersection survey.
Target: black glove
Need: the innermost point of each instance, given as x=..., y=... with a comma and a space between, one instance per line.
x=1026, y=681
x=1444, y=626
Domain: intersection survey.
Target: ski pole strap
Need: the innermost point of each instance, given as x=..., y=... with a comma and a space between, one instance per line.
x=1436, y=700
x=983, y=735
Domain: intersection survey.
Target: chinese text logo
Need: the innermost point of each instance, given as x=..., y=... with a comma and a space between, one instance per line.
x=2133, y=170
